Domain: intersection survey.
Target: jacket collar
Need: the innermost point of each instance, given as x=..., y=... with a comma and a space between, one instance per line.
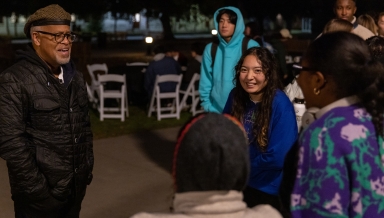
x=209, y=202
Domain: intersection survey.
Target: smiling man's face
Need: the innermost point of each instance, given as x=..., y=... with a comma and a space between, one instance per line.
x=52, y=52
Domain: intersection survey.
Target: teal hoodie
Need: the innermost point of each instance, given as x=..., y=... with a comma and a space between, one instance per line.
x=215, y=84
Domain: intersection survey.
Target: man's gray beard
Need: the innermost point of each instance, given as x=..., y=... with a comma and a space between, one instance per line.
x=64, y=61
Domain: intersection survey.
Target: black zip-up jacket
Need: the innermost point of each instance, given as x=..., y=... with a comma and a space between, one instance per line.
x=45, y=134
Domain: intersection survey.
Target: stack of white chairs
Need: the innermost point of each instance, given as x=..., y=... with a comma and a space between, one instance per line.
x=174, y=108
x=192, y=92
x=120, y=95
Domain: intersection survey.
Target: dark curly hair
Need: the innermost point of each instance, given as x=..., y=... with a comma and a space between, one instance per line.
x=376, y=45
x=241, y=97
x=347, y=59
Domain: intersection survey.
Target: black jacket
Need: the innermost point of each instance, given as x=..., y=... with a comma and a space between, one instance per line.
x=45, y=134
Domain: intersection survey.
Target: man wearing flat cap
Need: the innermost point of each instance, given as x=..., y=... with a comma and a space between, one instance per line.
x=45, y=134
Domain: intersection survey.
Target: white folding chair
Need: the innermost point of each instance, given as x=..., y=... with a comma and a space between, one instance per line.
x=92, y=68
x=192, y=92
x=174, y=109
x=120, y=95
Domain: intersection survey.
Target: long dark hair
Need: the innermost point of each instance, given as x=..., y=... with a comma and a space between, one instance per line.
x=241, y=97
x=346, y=58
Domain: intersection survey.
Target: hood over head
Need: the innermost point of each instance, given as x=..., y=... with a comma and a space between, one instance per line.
x=239, y=29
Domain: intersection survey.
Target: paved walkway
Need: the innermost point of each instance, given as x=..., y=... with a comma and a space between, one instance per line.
x=131, y=174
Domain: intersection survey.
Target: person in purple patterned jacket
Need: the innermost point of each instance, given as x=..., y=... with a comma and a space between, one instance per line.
x=341, y=153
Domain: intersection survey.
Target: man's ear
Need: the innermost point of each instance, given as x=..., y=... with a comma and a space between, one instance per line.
x=35, y=39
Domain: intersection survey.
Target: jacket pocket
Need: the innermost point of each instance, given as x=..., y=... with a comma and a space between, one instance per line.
x=46, y=104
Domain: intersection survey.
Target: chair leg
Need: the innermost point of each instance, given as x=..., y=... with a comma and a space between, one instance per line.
x=126, y=103
x=101, y=110
x=150, y=109
x=178, y=108
x=122, y=109
x=158, y=107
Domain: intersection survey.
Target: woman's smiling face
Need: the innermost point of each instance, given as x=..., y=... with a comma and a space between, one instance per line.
x=252, y=77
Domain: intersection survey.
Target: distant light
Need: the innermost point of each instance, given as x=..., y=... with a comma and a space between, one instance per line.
x=214, y=32
x=73, y=17
x=148, y=39
x=137, y=17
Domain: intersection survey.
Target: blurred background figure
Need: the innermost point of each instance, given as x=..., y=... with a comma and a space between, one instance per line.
x=161, y=65
x=346, y=9
x=210, y=169
x=254, y=31
x=368, y=22
x=342, y=148
x=376, y=45
x=171, y=51
x=337, y=24
x=197, y=49
x=380, y=24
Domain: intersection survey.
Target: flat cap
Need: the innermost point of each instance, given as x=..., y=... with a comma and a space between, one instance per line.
x=50, y=15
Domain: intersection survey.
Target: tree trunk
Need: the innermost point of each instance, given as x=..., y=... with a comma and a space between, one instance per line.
x=115, y=27
x=167, y=30
x=7, y=26
x=15, y=25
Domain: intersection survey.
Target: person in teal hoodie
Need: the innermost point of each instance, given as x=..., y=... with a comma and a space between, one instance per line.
x=216, y=79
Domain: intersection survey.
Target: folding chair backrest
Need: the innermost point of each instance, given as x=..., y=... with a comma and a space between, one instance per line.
x=168, y=78
x=138, y=64
x=92, y=68
x=111, y=78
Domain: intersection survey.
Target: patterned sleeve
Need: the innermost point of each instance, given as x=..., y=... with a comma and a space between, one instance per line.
x=321, y=187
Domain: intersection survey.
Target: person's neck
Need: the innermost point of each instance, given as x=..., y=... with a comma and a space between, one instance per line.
x=56, y=71
x=255, y=97
x=227, y=39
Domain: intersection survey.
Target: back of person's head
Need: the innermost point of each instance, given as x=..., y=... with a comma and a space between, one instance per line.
x=376, y=45
x=345, y=58
x=337, y=24
x=231, y=14
x=368, y=22
x=159, y=49
x=211, y=154
x=198, y=48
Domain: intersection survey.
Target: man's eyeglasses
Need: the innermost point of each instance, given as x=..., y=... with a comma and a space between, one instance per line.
x=59, y=37
x=296, y=69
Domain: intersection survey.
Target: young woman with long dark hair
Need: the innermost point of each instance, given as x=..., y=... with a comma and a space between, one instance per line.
x=269, y=120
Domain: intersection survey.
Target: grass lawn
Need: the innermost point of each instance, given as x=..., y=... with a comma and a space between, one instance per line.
x=136, y=122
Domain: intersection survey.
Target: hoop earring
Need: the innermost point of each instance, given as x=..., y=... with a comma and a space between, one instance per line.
x=316, y=91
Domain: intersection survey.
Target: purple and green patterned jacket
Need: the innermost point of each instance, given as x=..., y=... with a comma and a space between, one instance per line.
x=341, y=165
